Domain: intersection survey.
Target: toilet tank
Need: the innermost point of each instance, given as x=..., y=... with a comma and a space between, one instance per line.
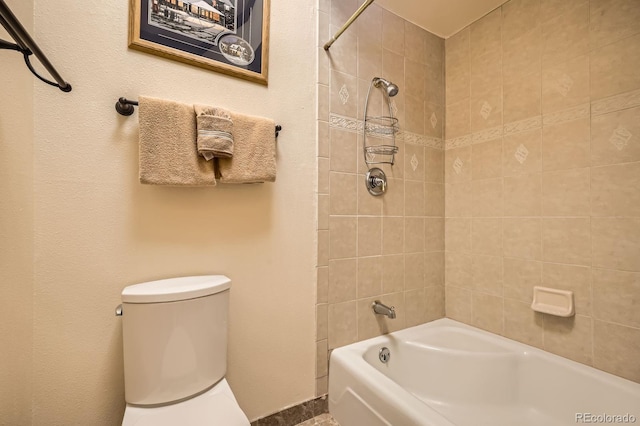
x=174, y=337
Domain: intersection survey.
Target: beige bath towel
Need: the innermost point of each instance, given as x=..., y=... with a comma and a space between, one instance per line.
x=215, y=133
x=168, y=153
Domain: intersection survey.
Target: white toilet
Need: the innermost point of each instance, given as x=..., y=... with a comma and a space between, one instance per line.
x=175, y=353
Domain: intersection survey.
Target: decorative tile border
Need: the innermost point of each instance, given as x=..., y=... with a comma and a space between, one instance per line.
x=487, y=135
x=616, y=103
x=296, y=414
x=523, y=125
x=581, y=111
x=459, y=142
x=353, y=125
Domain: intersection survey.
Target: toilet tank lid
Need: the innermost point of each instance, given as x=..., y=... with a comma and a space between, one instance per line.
x=175, y=289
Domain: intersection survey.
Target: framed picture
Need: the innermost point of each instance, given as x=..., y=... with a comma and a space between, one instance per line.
x=227, y=36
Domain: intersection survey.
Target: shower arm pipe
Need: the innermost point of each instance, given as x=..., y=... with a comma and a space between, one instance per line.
x=27, y=46
x=358, y=12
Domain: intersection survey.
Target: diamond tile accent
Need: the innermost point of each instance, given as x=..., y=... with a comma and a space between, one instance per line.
x=457, y=165
x=486, y=109
x=344, y=94
x=414, y=162
x=563, y=85
x=621, y=137
x=521, y=154
x=434, y=120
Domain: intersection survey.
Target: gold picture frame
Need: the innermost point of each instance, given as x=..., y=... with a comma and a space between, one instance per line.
x=226, y=36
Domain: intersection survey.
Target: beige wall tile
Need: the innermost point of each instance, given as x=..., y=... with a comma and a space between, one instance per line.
x=416, y=305
x=324, y=102
x=393, y=67
x=458, y=304
x=613, y=20
x=457, y=46
x=487, y=197
x=341, y=56
x=433, y=234
x=433, y=120
x=409, y=152
x=369, y=324
x=565, y=36
x=376, y=107
x=566, y=193
x=457, y=165
x=486, y=236
x=457, y=79
x=372, y=206
x=434, y=269
x=566, y=240
x=324, y=30
x=323, y=65
x=392, y=32
x=322, y=386
x=520, y=276
x=615, y=190
x=414, y=200
x=457, y=235
x=616, y=349
x=522, y=54
x=396, y=300
x=522, y=153
x=341, y=11
x=488, y=275
x=522, y=238
x=458, y=270
x=344, y=94
x=615, y=137
x=393, y=200
x=392, y=235
x=521, y=96
x=486, y=72
x=322, y=321
x=434, y=199
x=434, y=81
x=322, y=358
x=614, y=68
x=323, y=175
x=414, y=114
x=616, y=295
x=566, y=145
x=435, y=303
x=457, y=199
x=458, y=119
x=487, y=312
x=434, y=164
x=343, y=194
x=518, y=16
x=414, y=235
x=369, y=236
x=342, y=280
x=486, y=160
x=392, y=273
x=369, y=57
x=572, y=278
x=414, y=271
x=369, y=282
x=342, y=237
x=414, y=77
x=523, y=195
x=322, y=286
x=549, y=9
x=414, y=43
x=323, y=248
x=486, y=34
x=486, y=110
x=521, y=323
x=323, y=139
x=565, y=85
x=323, y=211
x=342, y=324
x=615, y=243
x=569, y=337
x=369, y=24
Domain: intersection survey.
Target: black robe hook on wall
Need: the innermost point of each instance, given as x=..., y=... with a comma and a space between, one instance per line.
x=125, y=106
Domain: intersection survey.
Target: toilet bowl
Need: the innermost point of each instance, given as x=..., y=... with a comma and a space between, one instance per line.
x=175, y=353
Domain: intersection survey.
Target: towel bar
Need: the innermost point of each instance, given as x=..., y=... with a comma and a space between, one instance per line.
x=125, y=106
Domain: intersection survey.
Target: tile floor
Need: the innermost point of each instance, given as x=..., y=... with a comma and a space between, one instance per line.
x=321, y=420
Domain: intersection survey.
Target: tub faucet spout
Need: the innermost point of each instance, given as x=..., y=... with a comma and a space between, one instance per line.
x=382, y=309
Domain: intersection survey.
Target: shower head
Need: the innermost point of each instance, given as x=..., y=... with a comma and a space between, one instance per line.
x=388, y=86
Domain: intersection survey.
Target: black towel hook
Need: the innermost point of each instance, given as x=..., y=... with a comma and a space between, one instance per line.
x=125, y=107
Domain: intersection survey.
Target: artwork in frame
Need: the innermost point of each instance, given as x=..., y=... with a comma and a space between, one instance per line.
x=227, y=36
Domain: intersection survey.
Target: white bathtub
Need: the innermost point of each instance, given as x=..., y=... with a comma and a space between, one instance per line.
x=448, y=373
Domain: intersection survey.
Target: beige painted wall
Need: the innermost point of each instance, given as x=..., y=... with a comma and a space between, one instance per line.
x=389, y=247
x=96, y=229
x=16, y=225
x=542, y=170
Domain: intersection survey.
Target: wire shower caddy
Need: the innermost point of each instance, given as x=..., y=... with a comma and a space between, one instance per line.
x=382, y=127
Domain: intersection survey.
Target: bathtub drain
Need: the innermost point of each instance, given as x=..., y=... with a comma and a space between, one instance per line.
x=384, y=355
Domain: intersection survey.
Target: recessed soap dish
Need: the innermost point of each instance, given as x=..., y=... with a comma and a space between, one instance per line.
x=553, y=301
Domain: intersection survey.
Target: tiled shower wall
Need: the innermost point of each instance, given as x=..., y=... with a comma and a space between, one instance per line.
x=389, y=248
x=542, y=172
